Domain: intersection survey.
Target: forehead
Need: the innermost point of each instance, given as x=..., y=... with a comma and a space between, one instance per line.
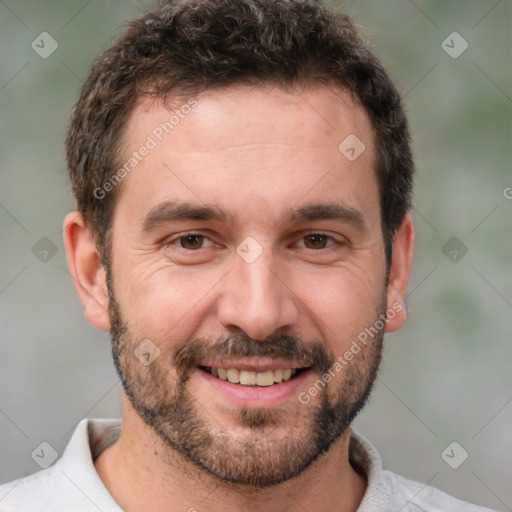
x=251, y=113
x=225, y=145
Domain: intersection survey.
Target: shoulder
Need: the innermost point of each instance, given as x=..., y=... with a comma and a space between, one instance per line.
x=72, y=482
x=32, y=492
x=387, y=491
x=418, y=497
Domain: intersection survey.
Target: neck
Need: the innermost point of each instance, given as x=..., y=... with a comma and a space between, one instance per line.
x=140, y=469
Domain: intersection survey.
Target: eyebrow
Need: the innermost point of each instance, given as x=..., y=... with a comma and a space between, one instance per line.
x=329, y=211
x=169, y=212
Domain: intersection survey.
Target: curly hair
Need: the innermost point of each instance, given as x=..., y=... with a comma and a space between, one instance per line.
x=184, y=47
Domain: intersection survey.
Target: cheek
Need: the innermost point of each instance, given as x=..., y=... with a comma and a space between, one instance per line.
x=341, y=303
x=166, y=303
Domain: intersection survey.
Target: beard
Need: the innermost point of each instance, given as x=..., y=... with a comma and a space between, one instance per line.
x=269, y=445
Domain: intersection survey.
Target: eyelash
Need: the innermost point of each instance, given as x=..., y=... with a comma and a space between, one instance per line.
x=175, y=240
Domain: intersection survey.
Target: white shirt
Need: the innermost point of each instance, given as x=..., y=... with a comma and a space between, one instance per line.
x=72, y=484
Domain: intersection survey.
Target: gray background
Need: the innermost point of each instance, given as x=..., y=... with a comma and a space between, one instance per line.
x=446, y=375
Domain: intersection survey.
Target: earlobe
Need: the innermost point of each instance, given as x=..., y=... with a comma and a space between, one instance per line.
x=400, y=270
x=88, y=273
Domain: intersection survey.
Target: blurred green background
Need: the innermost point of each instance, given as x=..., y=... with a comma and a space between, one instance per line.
x=447, y=375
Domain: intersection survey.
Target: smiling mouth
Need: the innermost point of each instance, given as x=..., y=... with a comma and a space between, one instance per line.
x=254, y=379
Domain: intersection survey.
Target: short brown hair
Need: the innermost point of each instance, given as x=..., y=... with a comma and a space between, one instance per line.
x=184, y=47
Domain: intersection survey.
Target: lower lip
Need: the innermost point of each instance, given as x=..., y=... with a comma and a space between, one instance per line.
x=255, y=397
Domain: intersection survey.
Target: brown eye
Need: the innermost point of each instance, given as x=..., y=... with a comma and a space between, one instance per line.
x=315, y=241
x=191, y=242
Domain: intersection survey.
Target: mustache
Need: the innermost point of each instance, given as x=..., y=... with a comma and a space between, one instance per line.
x=313, y=354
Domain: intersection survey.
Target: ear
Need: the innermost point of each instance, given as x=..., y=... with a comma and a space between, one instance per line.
x=88, y=273
x=400, y=270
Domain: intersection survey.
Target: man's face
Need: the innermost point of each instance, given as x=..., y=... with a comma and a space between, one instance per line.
x=247, y=242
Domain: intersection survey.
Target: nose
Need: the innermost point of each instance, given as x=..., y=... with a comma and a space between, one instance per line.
x=256, y=299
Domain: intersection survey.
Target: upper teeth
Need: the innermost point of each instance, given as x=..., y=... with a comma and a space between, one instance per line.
x=253, y=378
